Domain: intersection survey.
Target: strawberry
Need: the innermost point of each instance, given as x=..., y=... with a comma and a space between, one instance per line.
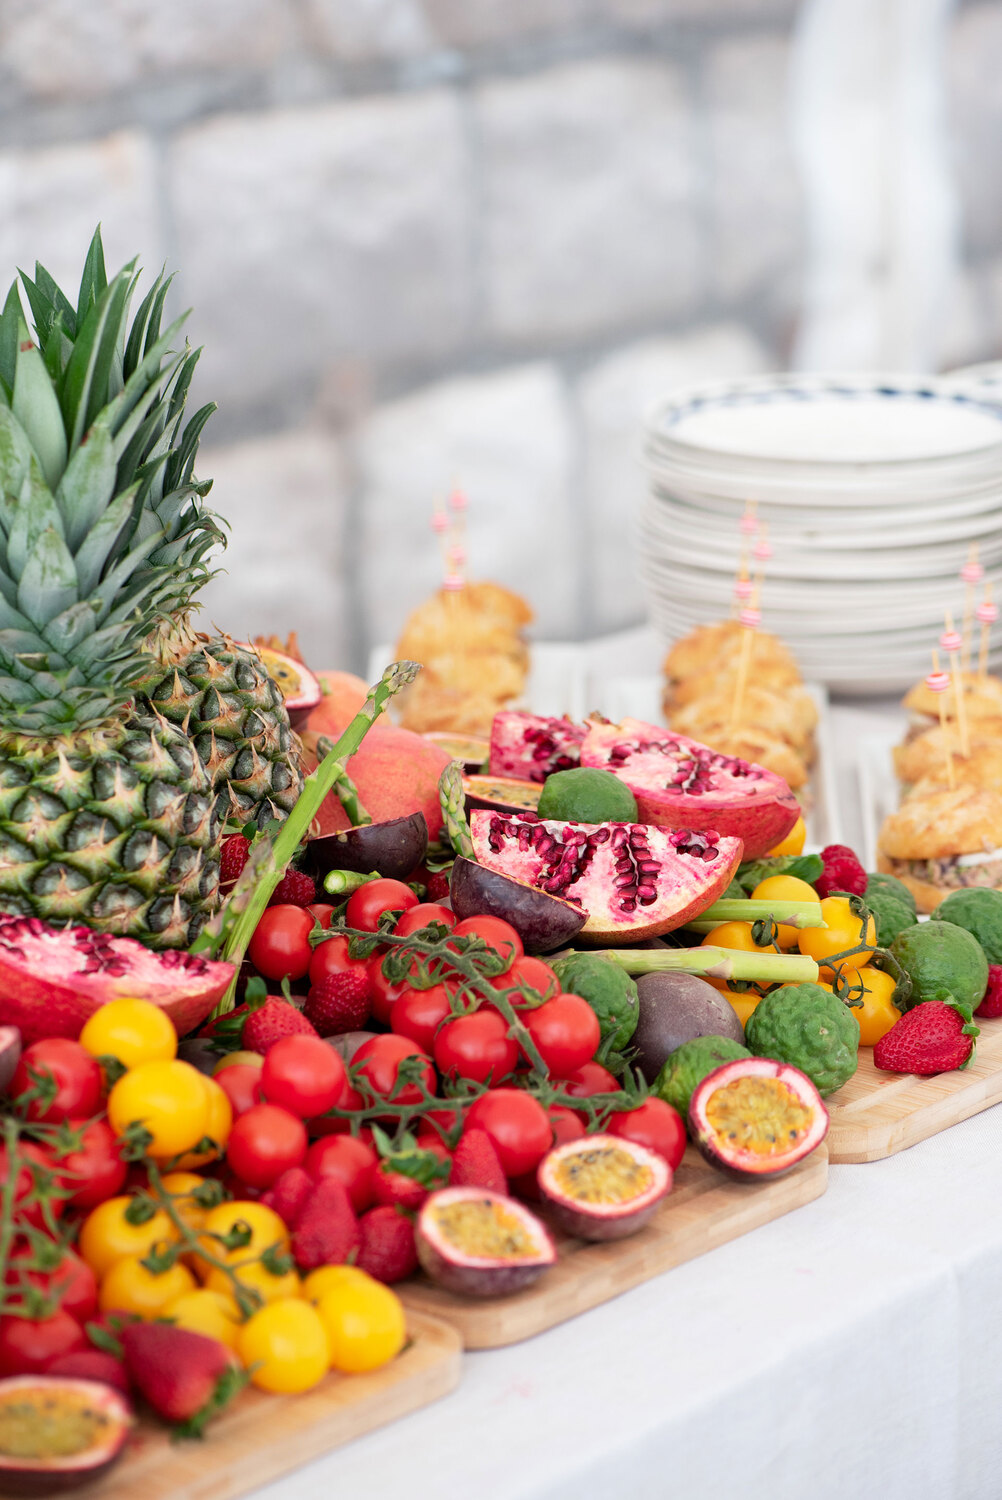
x=93, y=1364
x=934, y=1037
x=185, y=1377
x=388, y=1251
x=991, y=1005
x=288, y=1195
x=396, y=1189
x=339, y=1002
x=437, y=886
x=475, y=1163
x=270, y=1022
x=326, y=1232
x=294, y=889
x=233, y=857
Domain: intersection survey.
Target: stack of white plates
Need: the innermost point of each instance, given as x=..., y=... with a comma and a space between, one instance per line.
x=873, y=488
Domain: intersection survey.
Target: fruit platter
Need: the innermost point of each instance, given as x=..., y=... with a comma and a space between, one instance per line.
x=326, y=1045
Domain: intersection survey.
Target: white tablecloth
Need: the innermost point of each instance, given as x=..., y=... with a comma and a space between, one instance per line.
x=850, y=1351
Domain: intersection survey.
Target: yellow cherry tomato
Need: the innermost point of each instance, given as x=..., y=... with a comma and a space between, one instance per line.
x=737, y=935
x=878, y=1012
x=131, y=1287
x=365, y=1325
x=218, y=1126
x=328, y=1278
x=265, y=1226
x=742, y=1002
x=286, y=1346
x=842, y=930
x=134, y=1031
x=794, y=841
x=256, y=1277
x=214, y=1314
x=107, y=1234
x=181, y=1186
x=168, y=1099
x=786, y=888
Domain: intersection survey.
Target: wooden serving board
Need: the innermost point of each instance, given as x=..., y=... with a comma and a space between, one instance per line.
x=260, y=1437
x=704, y=1209
x=878, y=1114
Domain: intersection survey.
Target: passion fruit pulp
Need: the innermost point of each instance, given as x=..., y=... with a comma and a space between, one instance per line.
x=481, y=1243
x=757, y=1118
x=602, y=1187
x=297, y=684
x=57, y=1432
x=501, y=794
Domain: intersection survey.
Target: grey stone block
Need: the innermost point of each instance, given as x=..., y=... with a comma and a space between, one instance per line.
x=588, y=183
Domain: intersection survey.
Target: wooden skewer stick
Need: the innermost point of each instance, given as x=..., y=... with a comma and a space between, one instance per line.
x=750, y=618
x=748, y=527
x=972, y=573
x=950, y=642
x=938, y=682
x=986, y=614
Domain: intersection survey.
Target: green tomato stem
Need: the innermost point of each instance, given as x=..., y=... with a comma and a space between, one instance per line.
x=718, y=963
x=793, y=913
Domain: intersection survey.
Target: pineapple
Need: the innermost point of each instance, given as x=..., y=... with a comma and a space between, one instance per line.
x=216, y=690
x=107, y=816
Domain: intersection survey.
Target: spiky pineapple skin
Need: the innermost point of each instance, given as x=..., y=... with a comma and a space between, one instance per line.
x=219, y=692
x=115, y=827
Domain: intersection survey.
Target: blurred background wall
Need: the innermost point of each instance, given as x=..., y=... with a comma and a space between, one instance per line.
x=439, y=241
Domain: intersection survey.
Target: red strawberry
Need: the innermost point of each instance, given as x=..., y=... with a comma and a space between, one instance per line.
x=339, y=1002
x=437, y=886
x=388, y=1251
x=842, y=872
x=288, y=1195
x=475, y=1163
x=991, y=1005
x=232, y=859
x=185, y=1377
x=396, y=1189
x=934, y=1037
x=326, y=1231
x=270, y=1022
x=93, y=1364
x=294, y=889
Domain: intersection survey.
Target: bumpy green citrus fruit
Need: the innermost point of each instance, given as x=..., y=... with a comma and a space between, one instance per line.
x=809, y=1027
x=890, y=885
x=891, y=915
x=587, y=795
x=944, y=962
x=688, y=1065
x=980, y=914
x=609, y=990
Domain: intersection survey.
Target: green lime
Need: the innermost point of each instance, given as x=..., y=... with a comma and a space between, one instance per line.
x=890, y=885
x=891, y=915
x=944, y=962
x=979, y=912
x=688, y=1065
x=608, y=989
x=809, y=1027
x=587, y=795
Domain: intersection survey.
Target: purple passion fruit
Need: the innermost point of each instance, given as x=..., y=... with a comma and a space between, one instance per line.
x=501, y=794
x=756, y=1118
x=468, y=748
x=481, y=1244
x=297, y=684
x=601, y=1187
x=543, y=922
x=392, y=849
x=10, y=1055
x=57, y=1432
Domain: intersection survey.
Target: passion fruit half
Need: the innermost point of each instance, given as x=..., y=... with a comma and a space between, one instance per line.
x=501, y=794
x=10, y=1055
x=57, y=1432
x=468, y=748
x=480, y=1243
x=602, y=1187
x=756, y=1118
x=392, y=849
x=542, y=921
x=298, y=686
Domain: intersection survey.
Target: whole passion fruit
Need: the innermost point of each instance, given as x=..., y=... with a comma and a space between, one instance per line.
x=480, y=1243
x=57, y=1432
x=602, y=1187
x=756, y=1117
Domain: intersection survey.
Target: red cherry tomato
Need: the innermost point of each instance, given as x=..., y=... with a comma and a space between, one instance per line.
x=495, y=933
x=304, y=1075
x=566, y=1124
x=280, y=947
x=264, y=1142
x=442, y=1121
x=430, y=1140
x=35, y=1164
x=369, y=902
x=29, y=1345
x=566, y=1033
x=590, y=1078
x=419, y=1013
x=347, y=1160
x=96, y=1171
x=70, y=1282
x=531, y=973
x=384, y=993
x=517, y=1124
x=378, y=1063
x=242, y=1086
x=323, y=913
x=331, y=957
x=421, y=915
x=61, y=1068
x=477, y=1047
x=654, y=1124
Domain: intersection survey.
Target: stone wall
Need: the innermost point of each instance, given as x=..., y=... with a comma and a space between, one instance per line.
x=440, y=240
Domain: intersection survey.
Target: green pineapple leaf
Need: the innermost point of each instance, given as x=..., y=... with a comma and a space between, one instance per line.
x=93, y=279
x=97, y=547
x=36, y=406
x=48, y=583
x=145, y=330
x=85, y=384
x=9, y=320
x=88, y=483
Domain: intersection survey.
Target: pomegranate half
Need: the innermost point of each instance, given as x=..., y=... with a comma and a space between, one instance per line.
x=57, y=1432
x=530, y=746
x=633, y=881
x=679, y=783
x=481, y=1243
x=756, y=1118
x=602, y=1187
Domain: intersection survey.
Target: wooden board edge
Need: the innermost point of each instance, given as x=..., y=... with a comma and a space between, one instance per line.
x=882, y=1139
